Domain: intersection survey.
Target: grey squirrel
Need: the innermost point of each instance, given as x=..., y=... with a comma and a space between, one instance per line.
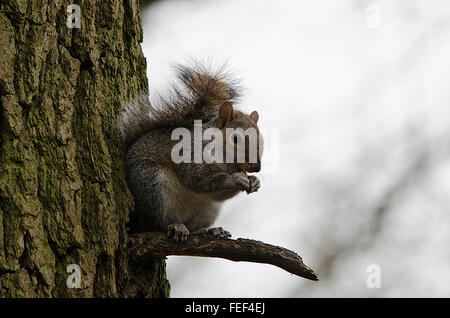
x=183, y=198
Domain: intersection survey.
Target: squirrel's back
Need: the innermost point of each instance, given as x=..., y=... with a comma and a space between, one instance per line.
x=195, y=95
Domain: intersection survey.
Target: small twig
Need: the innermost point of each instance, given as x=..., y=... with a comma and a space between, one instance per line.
x=157, y=244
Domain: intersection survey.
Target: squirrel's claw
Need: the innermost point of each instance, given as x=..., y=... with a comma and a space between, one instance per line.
x=241, y=181
x=179, y=232
x=255, y=184
x=217, y=232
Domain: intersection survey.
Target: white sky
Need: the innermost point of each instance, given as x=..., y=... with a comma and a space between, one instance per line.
x=355, y=90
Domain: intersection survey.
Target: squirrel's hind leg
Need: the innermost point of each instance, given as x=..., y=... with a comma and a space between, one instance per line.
x=178, y=231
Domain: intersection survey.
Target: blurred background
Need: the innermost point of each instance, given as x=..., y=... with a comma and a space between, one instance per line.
x=356, y=97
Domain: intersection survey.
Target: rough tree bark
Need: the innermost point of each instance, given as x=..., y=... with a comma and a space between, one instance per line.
x=150, y=244
x=63, y=196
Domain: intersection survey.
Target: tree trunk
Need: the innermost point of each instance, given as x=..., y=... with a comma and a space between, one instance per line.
x=63, y=196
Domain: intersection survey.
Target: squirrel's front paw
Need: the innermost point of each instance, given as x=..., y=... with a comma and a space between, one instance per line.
x=179, y=232
x=255, y=184
x=240, y=181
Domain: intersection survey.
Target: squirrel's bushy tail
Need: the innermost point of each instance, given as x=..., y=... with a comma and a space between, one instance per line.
x=194, y=95
x=134, y=119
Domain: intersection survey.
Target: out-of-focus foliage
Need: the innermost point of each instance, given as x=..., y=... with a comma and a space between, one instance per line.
x=358, y=92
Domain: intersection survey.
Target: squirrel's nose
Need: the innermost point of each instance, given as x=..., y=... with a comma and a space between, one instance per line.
x=255, y=167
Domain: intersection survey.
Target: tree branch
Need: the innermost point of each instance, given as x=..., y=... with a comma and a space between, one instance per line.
x=157, y=244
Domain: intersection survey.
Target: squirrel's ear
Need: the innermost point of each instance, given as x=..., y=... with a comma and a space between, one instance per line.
x=225, y=114
x=254, y=116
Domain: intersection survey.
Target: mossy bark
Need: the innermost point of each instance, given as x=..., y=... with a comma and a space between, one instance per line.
x=63, y=196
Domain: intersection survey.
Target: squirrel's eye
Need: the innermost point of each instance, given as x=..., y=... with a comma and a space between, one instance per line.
x=235, y=138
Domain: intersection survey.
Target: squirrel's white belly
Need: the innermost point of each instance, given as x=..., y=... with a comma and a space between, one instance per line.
x=182, y=205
